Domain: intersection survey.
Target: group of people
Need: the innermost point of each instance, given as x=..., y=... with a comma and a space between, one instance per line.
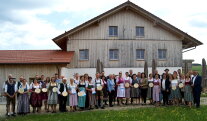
x=83, y=92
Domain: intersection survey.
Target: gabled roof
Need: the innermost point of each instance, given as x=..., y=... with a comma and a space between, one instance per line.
x=188, y=41
x=35, y=57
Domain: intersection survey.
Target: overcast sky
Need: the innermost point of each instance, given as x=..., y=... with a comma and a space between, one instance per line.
x=31, y=24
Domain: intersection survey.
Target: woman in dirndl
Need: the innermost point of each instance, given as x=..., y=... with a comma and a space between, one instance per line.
x=72, y=90
x=90, y=87
x=35, y=97
x=188, y=95
x=182, y=80
x=105, y=93
x=120, y=89
x=144, y=87
x=82, y=98
x=45, y=94
x=52, y=95
x=23, y=99
x=150, y=89
x=175, y=92
x=135, y=92
x=128, y=80
x=156, y=89
x=87, y=98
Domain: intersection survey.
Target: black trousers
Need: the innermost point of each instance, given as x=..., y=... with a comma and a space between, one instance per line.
x=144, y=94
x=197, y=96
x=62, y=103
x=111, y=97
x=165, y=96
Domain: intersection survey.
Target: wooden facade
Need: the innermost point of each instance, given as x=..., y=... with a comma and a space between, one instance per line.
x=96, y=39
x=27, y=70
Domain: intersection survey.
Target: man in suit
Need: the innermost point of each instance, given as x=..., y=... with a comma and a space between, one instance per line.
x=197, y=88
x=165, y=88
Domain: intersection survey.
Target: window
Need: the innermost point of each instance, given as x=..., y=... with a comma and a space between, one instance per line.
x=113, y=54
x=140, y=54
x=162, y=53
x=84, y=54
x=113, y=30
x=139, y=31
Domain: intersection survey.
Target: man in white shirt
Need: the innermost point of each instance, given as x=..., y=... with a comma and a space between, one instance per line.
x=62, y=87
x=10, y=92
x=76, y=78
x=99, y=93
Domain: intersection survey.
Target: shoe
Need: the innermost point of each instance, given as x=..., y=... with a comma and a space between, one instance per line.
x=102, y=107
x=96, y=107
x=13, y=115
x=111, y=106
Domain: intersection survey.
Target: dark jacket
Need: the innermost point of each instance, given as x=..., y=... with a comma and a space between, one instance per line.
x=197, y=84
x=167, y=85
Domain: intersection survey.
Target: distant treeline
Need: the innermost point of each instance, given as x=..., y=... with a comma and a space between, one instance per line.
x=196, y=64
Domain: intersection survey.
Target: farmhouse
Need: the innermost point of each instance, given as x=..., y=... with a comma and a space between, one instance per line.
x=122, y=38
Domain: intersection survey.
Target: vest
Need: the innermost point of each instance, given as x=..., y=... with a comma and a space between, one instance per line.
x=62, y=87
x=10, y=88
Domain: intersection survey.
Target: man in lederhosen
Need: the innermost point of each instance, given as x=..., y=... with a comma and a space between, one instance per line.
x=99, y=93
x=10, y=93
x=62, y=87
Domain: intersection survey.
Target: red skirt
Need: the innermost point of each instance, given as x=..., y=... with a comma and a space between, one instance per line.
x=44, y=95
x=36, y=99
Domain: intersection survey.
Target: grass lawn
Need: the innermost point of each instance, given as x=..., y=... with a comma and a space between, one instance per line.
x=138, y=114
x=197, y=68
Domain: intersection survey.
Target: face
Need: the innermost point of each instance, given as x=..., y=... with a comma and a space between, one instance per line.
x=130, y=71
x=110, y=76
x=120, y=74
x=89, y=79
x=35, y=81
x=71, y=81
x=179, y=71
x=150, y=75
x=134, y=77
x=97, y=75
x=53, y=79
x=127, y=74
x=76, y=76
x=42, y=77
x=21, y=78
x=56, y=76
x=139, y=75
x=195, y=73
x=174, y=76
x=24, y=81
x=82, y=78
x=156, y=76
x=64, y=80
x=143, y=76
x=37, y=77
x=10, y=76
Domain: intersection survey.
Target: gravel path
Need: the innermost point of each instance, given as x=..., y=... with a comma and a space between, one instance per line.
x=203, y=102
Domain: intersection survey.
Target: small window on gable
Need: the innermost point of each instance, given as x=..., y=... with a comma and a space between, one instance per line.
x=113, y=30
x=139, y=31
